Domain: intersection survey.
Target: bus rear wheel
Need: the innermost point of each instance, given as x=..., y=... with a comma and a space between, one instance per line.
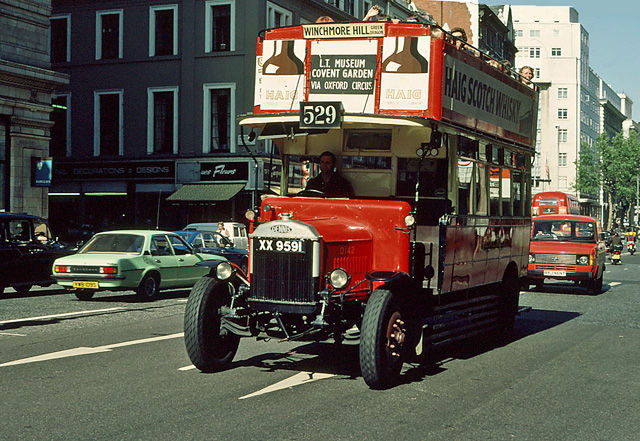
x=383, y=340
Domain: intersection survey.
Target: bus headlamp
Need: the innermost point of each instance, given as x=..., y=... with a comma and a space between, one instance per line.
x=532, y=258
x=339, y=278
x=409, y=220
x=250, y=215
x=223, y=271
x=583, y=260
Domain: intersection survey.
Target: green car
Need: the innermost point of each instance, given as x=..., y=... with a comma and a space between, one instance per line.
x=142, y=260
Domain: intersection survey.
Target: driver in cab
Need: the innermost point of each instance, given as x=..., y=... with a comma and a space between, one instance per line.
x=329, y=180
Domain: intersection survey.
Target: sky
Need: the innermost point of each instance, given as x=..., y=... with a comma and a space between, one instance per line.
x=614, y=37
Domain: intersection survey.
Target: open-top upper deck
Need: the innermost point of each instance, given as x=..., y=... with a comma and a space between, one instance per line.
x=404, y=70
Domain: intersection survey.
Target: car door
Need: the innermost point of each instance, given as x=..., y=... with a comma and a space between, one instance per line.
x=187, y=273
x=164, y=260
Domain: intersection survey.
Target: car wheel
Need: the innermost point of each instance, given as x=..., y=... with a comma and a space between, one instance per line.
x=210, y=347
x=84, y=294
x=244, y=266
x=23, y=289
x=148, y=288
x=383, y=340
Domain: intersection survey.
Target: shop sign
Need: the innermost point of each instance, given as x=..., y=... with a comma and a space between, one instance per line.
x=112, y=170
x=224, y=171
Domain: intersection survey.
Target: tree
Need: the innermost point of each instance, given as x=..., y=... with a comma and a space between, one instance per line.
x=611, y=165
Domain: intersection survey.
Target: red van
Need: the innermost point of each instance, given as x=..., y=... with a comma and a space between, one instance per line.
x=566, y=247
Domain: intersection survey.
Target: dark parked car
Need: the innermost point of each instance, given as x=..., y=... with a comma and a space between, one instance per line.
x=27, y=251
x=211, y=242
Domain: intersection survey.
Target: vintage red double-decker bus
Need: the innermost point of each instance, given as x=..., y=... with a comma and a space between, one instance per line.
x=437, y=145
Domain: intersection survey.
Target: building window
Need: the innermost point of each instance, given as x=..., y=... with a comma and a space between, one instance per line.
x=162, y=120
x=108, y=124
x=60, y=145
x=562, y=113
x=536, y=72
x=108, y=35
x=163, y=35
x=534, y=52
x=534, y=33
x=562, y=135
x=556, y=33
x=562, y=182
x=59, y=39
x=563, y=93
x=562, y=159
x=277, y=16
x=220, y=25
x=556, y=52
x=219, y=114
x=519, y=33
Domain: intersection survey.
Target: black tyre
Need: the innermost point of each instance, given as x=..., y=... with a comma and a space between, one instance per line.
x=509, y=298
x=383, y=340
x=149, y=287
x=84, y=294
x=210, y=348
x=244, y=266
x=22, y=289
x=596, y=285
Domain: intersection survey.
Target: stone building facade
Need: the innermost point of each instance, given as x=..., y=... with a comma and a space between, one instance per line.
x=26, y=85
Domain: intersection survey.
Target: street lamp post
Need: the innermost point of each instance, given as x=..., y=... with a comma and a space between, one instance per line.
x=637, y=207
x=557, y=158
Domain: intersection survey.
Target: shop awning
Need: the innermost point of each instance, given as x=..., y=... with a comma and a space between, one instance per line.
x=205, y=192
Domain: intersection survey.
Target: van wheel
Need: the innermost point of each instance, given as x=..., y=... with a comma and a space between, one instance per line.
x=383, y=340
x=210, y=347
x=596, y=285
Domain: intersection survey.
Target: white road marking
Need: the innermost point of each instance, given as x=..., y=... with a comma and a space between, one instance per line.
x=187, y=368
x=66, y=314
x=85, y=351
x=13, y=334
x=615, y=283
x=296, y=380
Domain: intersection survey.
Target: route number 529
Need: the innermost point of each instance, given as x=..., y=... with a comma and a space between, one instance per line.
x=315, y=115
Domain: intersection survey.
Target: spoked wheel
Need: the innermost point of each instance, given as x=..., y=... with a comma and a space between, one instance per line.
x=210, y=347
x=383, y=340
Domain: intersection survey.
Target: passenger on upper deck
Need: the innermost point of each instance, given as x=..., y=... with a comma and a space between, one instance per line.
x=526, y=74
x=460, y=39
x=375, y=10
x=324, y=19
x=329, y=181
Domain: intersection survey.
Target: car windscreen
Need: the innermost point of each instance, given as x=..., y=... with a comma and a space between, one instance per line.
x=114, y=243
x=563, y=231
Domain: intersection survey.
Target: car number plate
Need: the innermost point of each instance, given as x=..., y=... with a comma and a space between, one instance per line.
x=555, y=273
x=280, y=245
x=82, y=284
